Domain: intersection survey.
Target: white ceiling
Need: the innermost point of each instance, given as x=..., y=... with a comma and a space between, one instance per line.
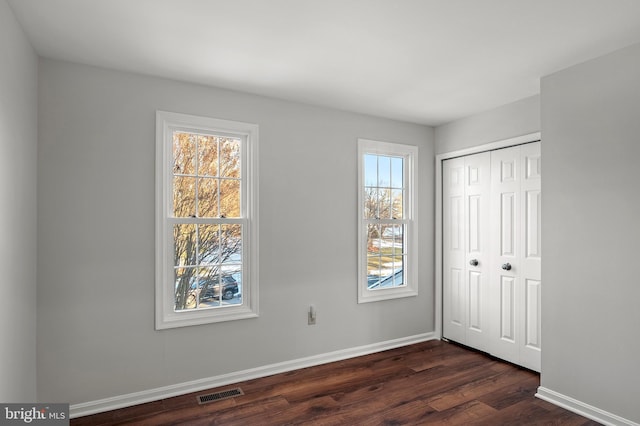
x=423, y=61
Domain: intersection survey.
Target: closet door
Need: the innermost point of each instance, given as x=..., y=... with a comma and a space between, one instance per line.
x=505, y=228
x=531, y=255
x=477, y=243
x=467, y=184
x=515, y=255
x=453, y=251
x=492, y=252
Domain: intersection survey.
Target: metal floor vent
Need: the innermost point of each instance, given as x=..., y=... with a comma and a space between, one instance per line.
x=219, y=396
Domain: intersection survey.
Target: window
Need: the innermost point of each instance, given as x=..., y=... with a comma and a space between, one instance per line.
x=206, y=220
x=387, y=230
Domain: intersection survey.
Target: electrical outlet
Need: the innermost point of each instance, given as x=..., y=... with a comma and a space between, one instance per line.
x=311, y=316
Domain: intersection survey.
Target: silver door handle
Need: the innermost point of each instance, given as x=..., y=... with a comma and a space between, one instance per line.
x=473, y=262
x=506, y=266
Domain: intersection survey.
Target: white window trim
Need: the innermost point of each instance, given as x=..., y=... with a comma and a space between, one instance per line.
x=410, y=155
x=166, y=317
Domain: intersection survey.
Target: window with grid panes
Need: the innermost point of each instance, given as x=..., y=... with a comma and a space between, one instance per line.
x=387, y=226
x=206, y=220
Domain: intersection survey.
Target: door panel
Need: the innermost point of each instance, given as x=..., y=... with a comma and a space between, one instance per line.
x=532, y=224
x=457, y=297
x=507, y=170
x=508, y=224
x=507, y=309
x=456, y=222
x=532, y=161
x=475, y=301
x=475, y=224
x=532, y=317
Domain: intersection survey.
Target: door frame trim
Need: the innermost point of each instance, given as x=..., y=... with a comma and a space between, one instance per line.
x=505, y=143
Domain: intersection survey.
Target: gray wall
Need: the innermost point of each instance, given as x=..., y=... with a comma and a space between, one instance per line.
x=515, y=119
x=96, y=336
x=18, y=161
x=591, y=228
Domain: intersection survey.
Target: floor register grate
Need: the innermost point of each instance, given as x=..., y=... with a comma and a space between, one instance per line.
x=219, y=396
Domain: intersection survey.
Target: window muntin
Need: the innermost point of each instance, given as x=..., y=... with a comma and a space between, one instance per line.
x=207, y=193
x=386, y=255
x=383, y=207
x=207, y=183
x=206, y=175
x=386, y=221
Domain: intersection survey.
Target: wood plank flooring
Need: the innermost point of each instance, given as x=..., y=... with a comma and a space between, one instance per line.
x=424, y=384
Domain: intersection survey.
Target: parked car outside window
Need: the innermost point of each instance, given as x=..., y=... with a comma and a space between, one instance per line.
x=208, y=289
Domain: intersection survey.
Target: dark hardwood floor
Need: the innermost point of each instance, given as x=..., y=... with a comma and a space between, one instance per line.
x=428, y=383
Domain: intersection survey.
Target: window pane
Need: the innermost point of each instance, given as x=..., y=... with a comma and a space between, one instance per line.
x=229, y=198
x=384, y=203
x=184, y=200
x=397, y=172
x=384, y=171
x=370, y=203
x=185, y=297
x=374, y=261
x=370, y=170
x=231, y=280
x=219, y=244
x=232, y=283
x=397, y=204
x=207, y=156
x=184, y=237
x=208, y=287
x=397, y=263
x=373, y=239
x=373, y=271
x=208, y=197
x=184, y=148
x=230, y=158
x=231, y=244
x=208, y=244
x=398, y=239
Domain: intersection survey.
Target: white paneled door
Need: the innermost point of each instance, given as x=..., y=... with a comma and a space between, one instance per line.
x=491, y=252
x=466, y=249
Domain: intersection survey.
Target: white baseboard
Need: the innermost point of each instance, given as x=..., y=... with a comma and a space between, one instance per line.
x=583, y=409
x=127, y=400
